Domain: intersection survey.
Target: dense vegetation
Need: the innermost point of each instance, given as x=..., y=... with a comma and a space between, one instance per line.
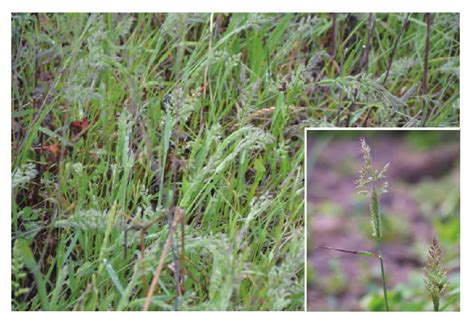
x=118, y=117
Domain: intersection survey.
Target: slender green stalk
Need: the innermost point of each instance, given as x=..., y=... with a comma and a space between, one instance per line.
x=426, y=60
x=339, y=109
x=382, y=270
x=378, y=235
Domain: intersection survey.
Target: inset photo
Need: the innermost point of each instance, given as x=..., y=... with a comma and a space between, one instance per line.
x=383, y=220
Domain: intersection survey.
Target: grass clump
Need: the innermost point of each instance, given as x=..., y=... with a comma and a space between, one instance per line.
x=118, y=118
x=133, y=114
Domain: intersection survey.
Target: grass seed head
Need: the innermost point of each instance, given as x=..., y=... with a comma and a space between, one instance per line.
x=436, y=279
x=23, y=175
x=369, y=175
x=368, y=184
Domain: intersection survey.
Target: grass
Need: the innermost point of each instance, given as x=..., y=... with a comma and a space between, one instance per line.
x=114, y=124
x=369, y=184
x=436, y=279
x=116, y=118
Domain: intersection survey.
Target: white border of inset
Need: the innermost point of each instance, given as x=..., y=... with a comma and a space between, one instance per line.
x=362, y=129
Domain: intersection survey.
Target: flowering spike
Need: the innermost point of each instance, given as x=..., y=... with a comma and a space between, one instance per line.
x=436, y=279
x=368, y=184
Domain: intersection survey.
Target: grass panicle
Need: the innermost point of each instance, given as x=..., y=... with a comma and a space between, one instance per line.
x=436, y=279
x=368, y=184
x=23, y=175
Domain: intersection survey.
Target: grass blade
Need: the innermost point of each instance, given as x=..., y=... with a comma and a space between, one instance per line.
x=30, y=263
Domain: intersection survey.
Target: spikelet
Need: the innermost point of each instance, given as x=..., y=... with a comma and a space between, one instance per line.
x=246, y=138
x=375, y=215
x=23, y=175
x=368, y=184
x=436, y=279
x=85, y=220
x=18, y=274
x=283, y=278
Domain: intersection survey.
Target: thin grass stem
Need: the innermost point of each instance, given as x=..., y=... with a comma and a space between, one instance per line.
x=426, y=70
x=352, y=107
x=365, y=59
x=390, y=61
x=178, y=215
x=332, y=48
x=395, y=45
x=382, y=270
x=368, y=185
x=339, y=109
